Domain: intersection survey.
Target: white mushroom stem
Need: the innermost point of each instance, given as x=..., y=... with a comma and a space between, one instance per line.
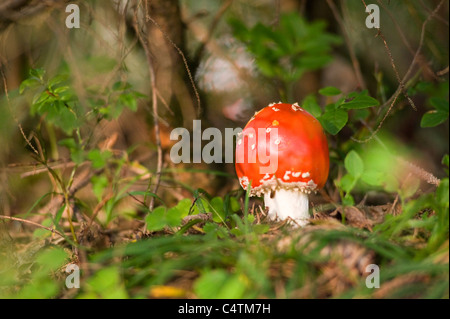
x=288, y=203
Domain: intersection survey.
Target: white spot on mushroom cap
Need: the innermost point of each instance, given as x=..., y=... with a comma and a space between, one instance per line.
x=305, y=175
x=265, y=178
x=275, y=109
x=296, y=107
x=296, y=174
x=286, y=175
x=243, y=181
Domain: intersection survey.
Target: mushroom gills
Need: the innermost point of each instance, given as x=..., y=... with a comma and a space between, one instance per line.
x=288, y=204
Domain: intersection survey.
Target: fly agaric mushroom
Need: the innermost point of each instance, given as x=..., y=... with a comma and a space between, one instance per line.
x=300, y=149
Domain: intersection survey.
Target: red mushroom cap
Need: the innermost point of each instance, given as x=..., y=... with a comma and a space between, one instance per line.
x=300, y=143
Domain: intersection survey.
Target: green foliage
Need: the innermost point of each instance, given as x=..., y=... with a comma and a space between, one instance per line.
x=436, y=99
x=120, y=96
x=289, y=50
x=220, y=209
x=161, y=217
x=99, y=158
x=218, y=284
x=355, y=168
x=330, y=91
x=105, y=284
x=53, y=99
x=437, y=116
x=336, y=116
x=31, y=272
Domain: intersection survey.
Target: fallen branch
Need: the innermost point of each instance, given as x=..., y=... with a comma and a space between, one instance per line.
x=33, y=223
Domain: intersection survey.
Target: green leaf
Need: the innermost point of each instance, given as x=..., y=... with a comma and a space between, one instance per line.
x=38, y=73
x=29, y=83
x=330, y=91
x=184, y=206
x=199, y=203
x=128, y=100
x=218, y=284
x=440, y=104
x=218, y=211
x=372, y=177
x=390, y=183
x=52, y=259
x=99, y=183
x=347, y=182
x=99, y=158
x=260, y=229
x=57, y=80
x=234, y=205
x=334, y=120
x=433, y=118
x=42, y=232
x=348, y=200
x=354, y=164
x=310, y=105
x=77, y=155
x=442, y=194
x=174, y=217
x=105, y=283
x=445, y=160
x=156, y=220
x=121, y=86
x=360, y=101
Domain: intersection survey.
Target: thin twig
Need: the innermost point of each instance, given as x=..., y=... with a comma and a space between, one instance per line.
x=397, y=26
x=394, y=97
x=394, y=67
x=5, y=87
x=154, y=108
x=180, y=52
x=33, y=223
x=437, y=16
x=212, y=28
x=351, y=51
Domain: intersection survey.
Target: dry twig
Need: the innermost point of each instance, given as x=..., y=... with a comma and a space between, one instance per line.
x=33, y=223
x=393, y=98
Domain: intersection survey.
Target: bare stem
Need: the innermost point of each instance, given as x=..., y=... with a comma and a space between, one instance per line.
x=154, y=109
x=33, y=223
